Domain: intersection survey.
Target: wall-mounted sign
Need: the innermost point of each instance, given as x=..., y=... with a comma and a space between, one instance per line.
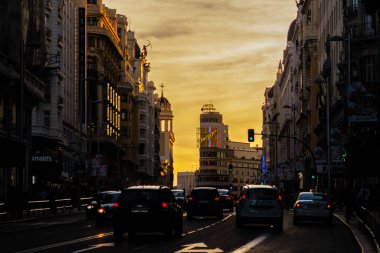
x=42, y=158
x=208, y=137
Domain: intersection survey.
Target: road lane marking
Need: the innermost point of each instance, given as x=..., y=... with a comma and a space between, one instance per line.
x=95, y=247
x=251, y=244
x=66, y=243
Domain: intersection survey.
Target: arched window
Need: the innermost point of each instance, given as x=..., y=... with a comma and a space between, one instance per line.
x=91, y=63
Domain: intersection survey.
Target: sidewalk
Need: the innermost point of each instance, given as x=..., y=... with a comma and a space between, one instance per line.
x=361, y=233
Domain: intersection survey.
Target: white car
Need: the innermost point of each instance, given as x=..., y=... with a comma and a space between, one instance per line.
x=312, y=206
x=259, y=204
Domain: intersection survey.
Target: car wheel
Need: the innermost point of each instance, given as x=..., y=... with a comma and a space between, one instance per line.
x=118, y=234
x=220, y=216
x=231, y=209
x=178, y=230
x=189, y=216
x=278, y=225
x=329, y=221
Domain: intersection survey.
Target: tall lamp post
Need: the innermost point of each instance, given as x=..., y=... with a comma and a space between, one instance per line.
x=334, y=38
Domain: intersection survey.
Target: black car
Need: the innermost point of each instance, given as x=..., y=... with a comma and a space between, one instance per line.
x=147, y=208
x=226, y=199
x=204, y=201
x=105, y=209
x=93, y=206
x=180, y=197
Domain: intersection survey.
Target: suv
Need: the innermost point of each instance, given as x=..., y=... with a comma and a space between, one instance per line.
x=204, y=201
x=226, y=198
x=147, y=208
x=259, y=204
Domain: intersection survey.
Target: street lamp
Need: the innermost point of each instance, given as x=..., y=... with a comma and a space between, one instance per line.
x=293, y=109
x=334, y=38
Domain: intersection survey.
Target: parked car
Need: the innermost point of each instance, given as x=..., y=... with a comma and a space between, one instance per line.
x=147, y=208
x=180, y=197
x=226, y=199
x=312, y=206
x=204, y=201
x=259, y=204
x=92, y=207
x=105, y=209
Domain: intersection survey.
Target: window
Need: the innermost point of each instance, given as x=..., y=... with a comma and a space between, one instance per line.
x=91, y=63
x=367, y=64
x=92, y=1
x=46, y=118
x=91, y=21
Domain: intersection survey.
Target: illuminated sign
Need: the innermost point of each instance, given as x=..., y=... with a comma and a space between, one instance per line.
x=208, y=137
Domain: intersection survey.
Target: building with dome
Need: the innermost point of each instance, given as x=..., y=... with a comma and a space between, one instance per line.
x=166, y=140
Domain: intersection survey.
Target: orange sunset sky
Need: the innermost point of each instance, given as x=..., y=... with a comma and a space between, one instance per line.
x=223, y=51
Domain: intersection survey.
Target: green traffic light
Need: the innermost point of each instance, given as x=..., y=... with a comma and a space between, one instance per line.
x=312, y=177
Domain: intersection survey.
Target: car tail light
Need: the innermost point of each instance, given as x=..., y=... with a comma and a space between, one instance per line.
x=298, y=205
x=116, y=205
x=190, y=198
x=328, y=206
x=279, y=198
x=228, y=198
x=164, y=205
x=243, y=199
x=216, y=198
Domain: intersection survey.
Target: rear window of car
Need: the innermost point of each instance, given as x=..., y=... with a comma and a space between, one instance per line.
x=223, y=192
x=204, y=194
x=318, y=197
x=262, y=194
x=140, y=195
x=178, y=193
x=110, y=198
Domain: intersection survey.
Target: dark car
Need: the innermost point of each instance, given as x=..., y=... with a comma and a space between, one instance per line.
x=105, y=209
x=93, y=206
x=180, y=197
x=204, y=201
x=226, y=199
x=147, y=208
x=259, y=204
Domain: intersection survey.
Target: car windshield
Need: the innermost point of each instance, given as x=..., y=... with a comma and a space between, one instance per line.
x=311, y=196
x=262, y=194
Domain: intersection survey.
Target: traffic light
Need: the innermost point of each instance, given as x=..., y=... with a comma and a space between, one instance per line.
x=230, y=168
x=251, y=135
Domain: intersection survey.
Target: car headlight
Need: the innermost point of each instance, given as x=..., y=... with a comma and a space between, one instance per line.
x=90, y=207
x=101, y=210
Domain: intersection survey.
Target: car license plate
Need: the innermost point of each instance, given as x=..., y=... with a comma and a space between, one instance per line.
x=139, y=210
x=203, y=201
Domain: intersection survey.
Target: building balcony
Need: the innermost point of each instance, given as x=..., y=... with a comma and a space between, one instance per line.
x=365, y=32
x=351, y=12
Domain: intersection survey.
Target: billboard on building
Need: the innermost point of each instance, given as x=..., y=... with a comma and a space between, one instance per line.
x=207, y=137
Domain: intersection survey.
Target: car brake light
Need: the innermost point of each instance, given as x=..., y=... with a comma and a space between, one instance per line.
x=190, y=198
x=279, y=197
x=116, y=205
x=328, y=206
x=164, y=205
x=216, y=198
x=228, y=198
x=298, y=205
x=244, y=197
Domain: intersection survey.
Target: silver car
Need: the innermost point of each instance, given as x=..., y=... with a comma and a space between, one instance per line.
x=259, y=204
x=312, y=206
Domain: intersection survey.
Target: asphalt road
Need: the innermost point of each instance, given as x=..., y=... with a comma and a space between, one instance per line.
x=76, y=234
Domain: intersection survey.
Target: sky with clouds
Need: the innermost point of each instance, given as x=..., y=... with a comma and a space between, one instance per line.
x=223, y=51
